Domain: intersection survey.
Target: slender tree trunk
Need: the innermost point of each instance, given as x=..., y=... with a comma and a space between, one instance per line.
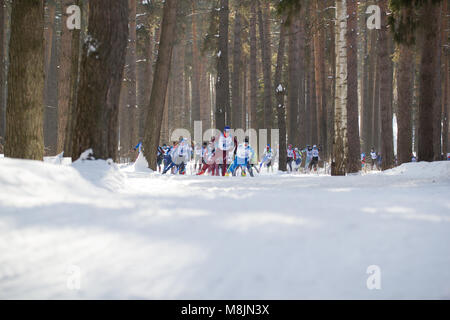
x=64, y=77
x=24, y=125
x=314, y=131
x=103, y=58
x=236, y=101
x=160, y=82
x=223, y=76
x=340, y=148
x=437, y=103
x=293, y=88
x=429, y=14
x=446, y=94
x=2, y=73
x=405, y=85
x=280, y=93
x=144, y=52
x=195, y=69
x=51, y=81
x=253, y=69
x=301, y=137
x=74, y=80
x=387, y=147
x=319, y=76
x=267, y=67
x=354, y=147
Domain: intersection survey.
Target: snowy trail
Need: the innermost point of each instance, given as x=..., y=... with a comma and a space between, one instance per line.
x=140, y=235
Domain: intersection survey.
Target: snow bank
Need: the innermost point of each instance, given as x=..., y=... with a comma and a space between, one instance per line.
x=437, y=171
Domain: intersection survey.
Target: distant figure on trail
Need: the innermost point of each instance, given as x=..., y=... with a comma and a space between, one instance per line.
x=290, y=155
x=315, y=158
x=373, y=158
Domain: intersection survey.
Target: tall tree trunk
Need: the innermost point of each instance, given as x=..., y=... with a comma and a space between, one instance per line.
x=294, y=79
x=340, y=148
x=103, y=58
x=133, y=114
x=437, y=103
x=77, y=35
x=376, y=105
x=387, y=147
x=301, y=137
x=266, y=65
x=51, y=81
x=223, y=76
x=64, y=77
x=446, y=95
x=160, y=82
x=2, y=73
x=24, y=125
x=280, y=93
x=236, y=102
x=319, y=76
x=144, y=53
x=195, y=69
x=253, y=69
x=429, y=15
x=314, y=131
x=405, y=95
x=354, y=147
x=127, y=106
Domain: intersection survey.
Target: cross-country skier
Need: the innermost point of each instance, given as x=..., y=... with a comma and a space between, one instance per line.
x=308, y=151
x=373, y=158
x=160, y=156
x=226, y=146
x=209, y=160
x=315, y=158
x=297, y=158
x=197, y=157
x=244, y=154
x=138, y=148
x=181, y=155
x=168, y=159
x=290, y=156
x=363, y=160
x=267, y=159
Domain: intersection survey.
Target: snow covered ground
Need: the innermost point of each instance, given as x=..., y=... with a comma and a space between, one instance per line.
x=122, y=232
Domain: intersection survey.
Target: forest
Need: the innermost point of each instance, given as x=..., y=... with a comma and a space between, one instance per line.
x=346, y=75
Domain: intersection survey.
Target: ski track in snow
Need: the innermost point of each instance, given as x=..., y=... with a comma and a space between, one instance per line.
x=136, y=234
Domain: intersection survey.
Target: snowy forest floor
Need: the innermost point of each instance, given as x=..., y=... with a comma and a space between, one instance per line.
x=125, y=233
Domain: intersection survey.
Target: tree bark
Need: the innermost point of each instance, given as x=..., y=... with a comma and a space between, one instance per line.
x=280, y=93
x=24, y=125
x=266, y=66
x=405, y=85
x=293, y=87
x=64, y=77
x=223, y=76
x=340, y=148
x=387, y=147
x=103, y=58
x=253, y=69
x=354, y=147
x=195, y=70
x=2, y=73
x=429, y=15
x=160, y=81
x=236, y=102
x=144, y=53
x=74, y=80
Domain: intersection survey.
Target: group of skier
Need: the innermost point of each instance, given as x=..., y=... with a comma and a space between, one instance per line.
x=224, y=156
x=294, y=158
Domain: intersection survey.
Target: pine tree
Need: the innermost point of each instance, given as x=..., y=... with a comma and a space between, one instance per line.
x=24, y=124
